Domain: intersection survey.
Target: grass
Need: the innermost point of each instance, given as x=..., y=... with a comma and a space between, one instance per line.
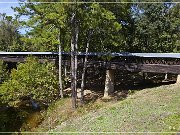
x=62, y=111
x=148, y=110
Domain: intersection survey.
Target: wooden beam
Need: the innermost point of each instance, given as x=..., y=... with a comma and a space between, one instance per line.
x=14, y=59
x=153, y=68
x=22, y=59
x=160, y=68
x=133, y=67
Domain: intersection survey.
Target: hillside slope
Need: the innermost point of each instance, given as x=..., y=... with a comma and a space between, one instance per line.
x=148, y=110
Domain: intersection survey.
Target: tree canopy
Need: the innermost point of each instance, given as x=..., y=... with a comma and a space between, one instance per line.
x=31, y=79
x=81, y=26
x=9, y=34
x=112, y=27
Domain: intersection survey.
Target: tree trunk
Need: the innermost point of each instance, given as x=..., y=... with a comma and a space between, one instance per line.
x=73, y=74
x=76, y=58
x=109, y=83
x=74, y=40
x=60, y=72
x=60, y=67
x=84, y=71
x=65, y=71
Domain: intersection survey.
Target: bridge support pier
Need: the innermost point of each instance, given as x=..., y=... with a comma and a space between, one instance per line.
x=178, y=79
x=109, y=83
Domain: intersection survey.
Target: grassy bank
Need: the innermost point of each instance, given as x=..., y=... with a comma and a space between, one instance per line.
x=148, y=110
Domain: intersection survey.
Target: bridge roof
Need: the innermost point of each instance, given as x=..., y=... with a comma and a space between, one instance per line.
x=150, y=55
x=28, y=53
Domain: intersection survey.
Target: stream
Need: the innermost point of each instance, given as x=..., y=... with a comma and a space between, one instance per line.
x=19, y=119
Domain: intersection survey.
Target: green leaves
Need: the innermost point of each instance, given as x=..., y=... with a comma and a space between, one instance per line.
x=156, y=29
x=31, y=78
x=9, y=35
x=93, y=17
x=117, y=26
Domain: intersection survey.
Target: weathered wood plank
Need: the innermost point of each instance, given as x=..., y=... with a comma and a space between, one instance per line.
x=12, y=59
x=22, y=59
x=134, y=67
x=154, y=68
x=160, y=68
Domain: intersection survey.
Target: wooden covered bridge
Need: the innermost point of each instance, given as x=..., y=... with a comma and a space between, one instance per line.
x=145, y=62
x=134, y=62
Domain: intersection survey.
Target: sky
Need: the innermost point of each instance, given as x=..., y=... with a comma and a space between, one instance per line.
x=5, y=7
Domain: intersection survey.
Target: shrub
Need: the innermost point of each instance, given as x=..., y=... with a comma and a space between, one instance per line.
x=3, y=72
x=31, y=78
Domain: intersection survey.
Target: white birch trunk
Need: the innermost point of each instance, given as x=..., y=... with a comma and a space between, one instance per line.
x=60, y=72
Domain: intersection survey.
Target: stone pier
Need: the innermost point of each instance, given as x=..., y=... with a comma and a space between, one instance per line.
x=109, y=83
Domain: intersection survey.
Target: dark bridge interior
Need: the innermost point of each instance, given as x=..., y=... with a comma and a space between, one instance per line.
x=134, y=62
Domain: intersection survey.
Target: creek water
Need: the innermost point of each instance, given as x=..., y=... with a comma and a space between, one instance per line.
x=19, y=119
x=32, y=121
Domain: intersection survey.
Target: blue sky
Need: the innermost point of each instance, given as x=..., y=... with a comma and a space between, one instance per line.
x=5, y=7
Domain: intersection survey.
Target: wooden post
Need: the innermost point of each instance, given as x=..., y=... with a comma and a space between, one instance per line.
x=109, y=83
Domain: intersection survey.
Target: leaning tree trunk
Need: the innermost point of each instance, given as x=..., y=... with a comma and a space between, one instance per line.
x=84, y=70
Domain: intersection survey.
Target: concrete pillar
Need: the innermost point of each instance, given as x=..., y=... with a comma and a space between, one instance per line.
x=109, y=83
x=178, y=80
x=166, y=77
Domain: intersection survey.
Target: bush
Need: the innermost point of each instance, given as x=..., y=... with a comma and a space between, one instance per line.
x=3, y=72
x=31, y=78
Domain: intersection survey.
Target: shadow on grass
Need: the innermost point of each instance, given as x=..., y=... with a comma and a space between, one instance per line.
x=125, y=83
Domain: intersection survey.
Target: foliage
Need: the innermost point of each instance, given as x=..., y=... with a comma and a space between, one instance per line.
x=3, y=72
x=9, y=120
x=9, y=34
x=33, y=79
x=150, y=27
x=101, y=26
x=116, y=27
x=156, y=27
x=47, y=21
